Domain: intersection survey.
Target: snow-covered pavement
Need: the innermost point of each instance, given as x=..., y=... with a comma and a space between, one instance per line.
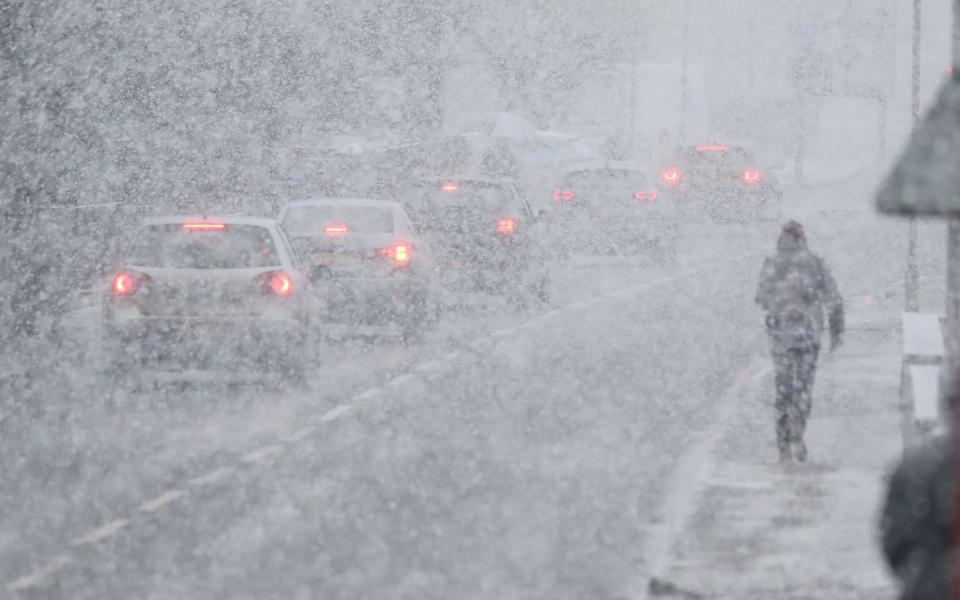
x=756, y=529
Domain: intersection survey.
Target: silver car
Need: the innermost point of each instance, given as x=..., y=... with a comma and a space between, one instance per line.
x=371, y=272
x=208, y=293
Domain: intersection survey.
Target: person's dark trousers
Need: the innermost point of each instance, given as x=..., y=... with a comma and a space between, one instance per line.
x=795, y=372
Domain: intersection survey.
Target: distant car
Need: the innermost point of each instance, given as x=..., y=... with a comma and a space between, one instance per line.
x=208, y=293
x=722, y=183
x=483, y=233
x=371, y=271
x=612, y=209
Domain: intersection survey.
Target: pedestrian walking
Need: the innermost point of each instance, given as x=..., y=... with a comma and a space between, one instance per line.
x=797, y=291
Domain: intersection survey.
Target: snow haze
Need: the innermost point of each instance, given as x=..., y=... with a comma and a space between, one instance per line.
x=504, y=345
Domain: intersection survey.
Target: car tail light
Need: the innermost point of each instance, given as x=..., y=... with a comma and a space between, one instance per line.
x=645, y=196
x=205, y=226
x=562, y=196
x=450, y=187
x=711, y=148
x=336, y=230
x=752, y=176
x=126, y=283
x=671, y=176
x=275, y=283
x=400, y=253
x=507, y=226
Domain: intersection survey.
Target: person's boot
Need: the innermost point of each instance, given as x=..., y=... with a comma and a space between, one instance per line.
x=800, y=450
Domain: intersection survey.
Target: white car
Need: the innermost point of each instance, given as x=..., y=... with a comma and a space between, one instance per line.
x=208, y=294
x=372, y=273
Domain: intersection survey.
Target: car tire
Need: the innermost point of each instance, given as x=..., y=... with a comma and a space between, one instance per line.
x=416, y=320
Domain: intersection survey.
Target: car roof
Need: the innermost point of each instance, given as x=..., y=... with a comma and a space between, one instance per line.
x=733, y=145
x=469, y=179
x=362, y=202
x=228, y=219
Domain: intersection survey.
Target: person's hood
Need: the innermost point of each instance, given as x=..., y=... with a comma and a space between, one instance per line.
x=792, y=238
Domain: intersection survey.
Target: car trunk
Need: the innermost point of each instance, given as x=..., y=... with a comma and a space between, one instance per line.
x=350, y=255
x=203, y=293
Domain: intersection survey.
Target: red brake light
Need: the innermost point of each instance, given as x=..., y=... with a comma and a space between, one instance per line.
x=711, y=148
x=281, y=284
x=561, y=196
x=450, y=187
x=400, y=253
x=671, y=176
x=336, y=230
x=126, y=283
x=123, y=285
x=752, y=176
x=276, y=283
x=645, y=196
x=204, y=226
x=507, y=226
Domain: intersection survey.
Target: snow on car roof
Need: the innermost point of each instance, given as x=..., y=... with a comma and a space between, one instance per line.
x=365, y=202
x=468, y=179
x=228, y=219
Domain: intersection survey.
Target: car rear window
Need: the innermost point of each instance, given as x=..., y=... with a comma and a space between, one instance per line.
x=313, y=220
x=468, y=194
x=444, y=206
x=171, y=246
x=619, y=179
x=711, y=161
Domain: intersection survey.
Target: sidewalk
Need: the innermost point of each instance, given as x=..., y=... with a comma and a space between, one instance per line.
x=763, y=531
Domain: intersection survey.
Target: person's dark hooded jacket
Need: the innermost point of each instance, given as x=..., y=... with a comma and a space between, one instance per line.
x=796, y=280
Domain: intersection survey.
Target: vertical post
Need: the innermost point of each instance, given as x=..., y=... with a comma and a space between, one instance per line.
x=632, y=145
x=684, y=72
x=952, y=301
x=912, y=276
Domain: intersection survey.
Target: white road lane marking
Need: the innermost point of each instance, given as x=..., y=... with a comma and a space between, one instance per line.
x=400, y=379
x=160, y=501
x=261, y=454
x=336, y=413
x=433, y=365
x=212, y=477
x=296, y=436
x=369, y=394
x=480, y=343
x=34, y=579
x=100, y=533
x=503, y=332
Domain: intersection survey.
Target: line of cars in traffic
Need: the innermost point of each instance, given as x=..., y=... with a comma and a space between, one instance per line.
x=613, y=208
x=252, y=294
